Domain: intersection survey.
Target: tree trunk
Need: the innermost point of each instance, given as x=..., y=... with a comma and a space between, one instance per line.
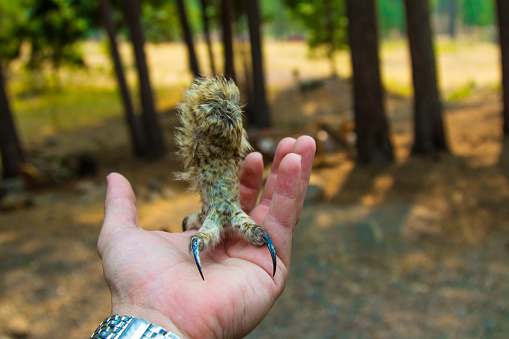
x=137, y=137
x=206, y=32
x=429, y=135
x=154, y=138
x=226, y=24
x=503, y=29
x=10, y=148
x=188, y=38
x=261, y=116
x=373, y=143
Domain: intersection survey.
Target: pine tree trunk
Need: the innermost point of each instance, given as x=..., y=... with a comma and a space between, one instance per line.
x=136, y=132
x=261, y=115
x=429, y=135
x=206, y=32
x=373, y=143
x=503, y=28
x=226, y=24
x=188, y=38
x=10, y=148
x=154, y=138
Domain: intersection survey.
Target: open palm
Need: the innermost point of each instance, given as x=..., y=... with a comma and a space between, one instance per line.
x=153, y=276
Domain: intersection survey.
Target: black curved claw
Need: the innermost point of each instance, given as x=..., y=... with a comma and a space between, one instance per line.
x=195, y=247
x=184, y=223
x=272, y=251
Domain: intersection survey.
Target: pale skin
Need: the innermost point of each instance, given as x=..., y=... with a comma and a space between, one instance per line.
x=152, y=275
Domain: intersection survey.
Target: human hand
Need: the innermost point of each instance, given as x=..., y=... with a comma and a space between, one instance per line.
x=153, y=276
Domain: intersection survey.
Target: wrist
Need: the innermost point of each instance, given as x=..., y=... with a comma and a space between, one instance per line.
x=152, y=316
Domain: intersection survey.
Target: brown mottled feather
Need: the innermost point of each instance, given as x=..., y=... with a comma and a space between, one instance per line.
x=211, y=132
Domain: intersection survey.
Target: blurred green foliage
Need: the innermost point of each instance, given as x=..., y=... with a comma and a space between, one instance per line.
x=391, y=16
x=477, y=12
x=13, y=17
x=462, y=92
x=468, y=13
x=160, y=21
x=279, y=21
x=52, y=30
x=50, y=27
x=325, y=21
x=54, y=27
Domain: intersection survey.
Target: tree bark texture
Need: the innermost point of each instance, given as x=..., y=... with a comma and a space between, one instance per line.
x=10, y=147
x=503, y=29
x=429, y=134
x=188, y=38
x=261, y=115
x=136, y=132
x=373, y=143
x=154, y=138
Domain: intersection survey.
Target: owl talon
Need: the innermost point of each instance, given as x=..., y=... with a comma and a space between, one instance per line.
x=195, y=247
x=184, y=223
x=272, y=251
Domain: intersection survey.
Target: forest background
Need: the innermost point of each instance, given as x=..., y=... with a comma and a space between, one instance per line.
x=408, y=241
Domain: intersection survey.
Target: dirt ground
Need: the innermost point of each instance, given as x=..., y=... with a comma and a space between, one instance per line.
x=414, y=249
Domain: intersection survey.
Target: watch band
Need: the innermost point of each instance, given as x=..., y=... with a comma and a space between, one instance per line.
x=125, y=327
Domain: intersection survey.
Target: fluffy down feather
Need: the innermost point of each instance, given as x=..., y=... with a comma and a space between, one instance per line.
x=211, y=130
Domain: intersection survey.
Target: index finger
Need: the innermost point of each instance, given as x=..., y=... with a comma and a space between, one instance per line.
x=282, y=215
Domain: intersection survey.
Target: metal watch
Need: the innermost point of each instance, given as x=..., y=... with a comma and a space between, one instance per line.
x=125, y=327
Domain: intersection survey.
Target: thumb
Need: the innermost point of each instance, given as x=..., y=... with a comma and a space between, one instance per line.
x=119, y=209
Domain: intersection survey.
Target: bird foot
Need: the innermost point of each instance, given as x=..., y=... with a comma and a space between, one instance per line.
x=197, y=245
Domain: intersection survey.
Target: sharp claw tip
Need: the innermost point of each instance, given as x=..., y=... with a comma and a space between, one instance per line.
x=196, y=252
x=272, y=251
